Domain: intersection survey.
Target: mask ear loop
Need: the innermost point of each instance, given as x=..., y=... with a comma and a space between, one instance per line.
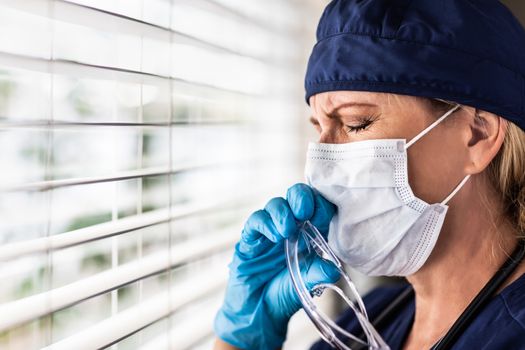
x=426, y=131
x=431, y=126
x=456, y=190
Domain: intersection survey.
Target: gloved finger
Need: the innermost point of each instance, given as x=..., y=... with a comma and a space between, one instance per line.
x=300, y=198
x=320, y=271
x=323, y=213
x=260, y=224
x=253, y=249
x=282, y=217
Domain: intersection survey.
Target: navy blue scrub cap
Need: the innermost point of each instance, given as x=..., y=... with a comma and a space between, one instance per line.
x=468, y=51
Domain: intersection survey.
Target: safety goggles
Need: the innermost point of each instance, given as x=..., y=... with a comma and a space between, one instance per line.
x=300, y=248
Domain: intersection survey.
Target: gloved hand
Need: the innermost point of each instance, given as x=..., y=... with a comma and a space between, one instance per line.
x=260, y=298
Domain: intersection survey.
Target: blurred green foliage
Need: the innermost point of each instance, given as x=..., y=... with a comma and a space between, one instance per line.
x=77, y=97
x=89, y=220
x=30, y=284
x=7, y=87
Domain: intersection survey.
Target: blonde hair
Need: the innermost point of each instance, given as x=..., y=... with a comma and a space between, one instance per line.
x=506, y=173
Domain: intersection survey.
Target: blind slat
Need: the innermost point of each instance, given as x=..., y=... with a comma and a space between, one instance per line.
x=188, y=333
x=30, y=308
x=125, y=94
x=137, y=174
x=127, y=322
x=96, y=232
x=128, y=175
x=57, y=124
x=71, y=12
x=86, y=70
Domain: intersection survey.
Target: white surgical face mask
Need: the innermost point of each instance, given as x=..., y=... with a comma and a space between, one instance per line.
x=380, y=227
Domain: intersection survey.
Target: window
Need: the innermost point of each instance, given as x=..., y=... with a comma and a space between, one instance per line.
x=135, y=138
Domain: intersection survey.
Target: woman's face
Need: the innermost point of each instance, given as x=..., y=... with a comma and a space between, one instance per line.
x=436, y=163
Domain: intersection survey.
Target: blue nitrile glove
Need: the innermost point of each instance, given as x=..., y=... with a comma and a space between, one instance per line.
x=260, y=298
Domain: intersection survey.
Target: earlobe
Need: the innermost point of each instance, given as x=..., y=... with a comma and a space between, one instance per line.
x=487, y=132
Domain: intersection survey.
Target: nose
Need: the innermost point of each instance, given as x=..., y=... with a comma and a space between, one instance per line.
x=325, y=138
x=331, y=130
x=331, y=136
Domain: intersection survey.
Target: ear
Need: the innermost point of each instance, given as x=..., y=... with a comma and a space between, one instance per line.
x=487, y=132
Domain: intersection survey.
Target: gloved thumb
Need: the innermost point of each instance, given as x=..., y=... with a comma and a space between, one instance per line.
x=318, y=271
x=321, y=271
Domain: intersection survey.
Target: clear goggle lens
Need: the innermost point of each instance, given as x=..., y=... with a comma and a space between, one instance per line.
x=299, y=249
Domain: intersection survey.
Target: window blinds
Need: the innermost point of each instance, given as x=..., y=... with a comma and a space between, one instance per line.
x=135, y=138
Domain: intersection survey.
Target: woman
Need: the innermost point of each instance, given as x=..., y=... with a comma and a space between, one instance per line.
x=447, y=76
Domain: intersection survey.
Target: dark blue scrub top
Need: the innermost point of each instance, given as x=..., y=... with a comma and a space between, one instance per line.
x=500, y=325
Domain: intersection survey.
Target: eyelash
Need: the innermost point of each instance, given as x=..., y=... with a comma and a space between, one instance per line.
x=367, y=121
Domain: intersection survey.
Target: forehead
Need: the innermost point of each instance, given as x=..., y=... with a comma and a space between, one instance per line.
x=328, y=101
x=346, y=96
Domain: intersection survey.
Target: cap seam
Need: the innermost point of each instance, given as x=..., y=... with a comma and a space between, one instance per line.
x=409, y=4
x=385, y=82
x=452, y=94
x=417, y=43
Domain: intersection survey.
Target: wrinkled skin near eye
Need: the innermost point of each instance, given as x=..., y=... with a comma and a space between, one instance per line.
x=435, y=163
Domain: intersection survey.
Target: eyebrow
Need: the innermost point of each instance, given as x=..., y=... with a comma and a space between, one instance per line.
x=350, y=104
x=333, y=113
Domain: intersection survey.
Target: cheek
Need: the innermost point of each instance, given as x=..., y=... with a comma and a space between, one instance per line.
x=435, y=167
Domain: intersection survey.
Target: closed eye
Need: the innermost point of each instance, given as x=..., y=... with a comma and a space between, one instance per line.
x=365, y=123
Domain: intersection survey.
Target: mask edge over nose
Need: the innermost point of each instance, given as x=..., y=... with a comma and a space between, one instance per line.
x=415, y=245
